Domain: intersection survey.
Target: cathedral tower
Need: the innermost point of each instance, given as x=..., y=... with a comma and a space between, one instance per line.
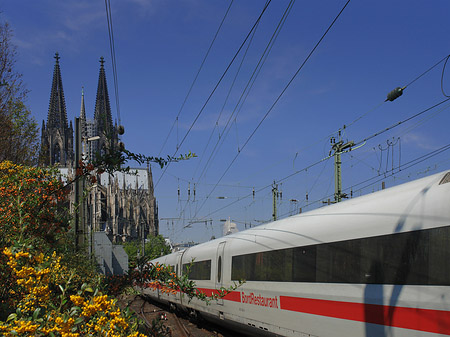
x=102, y=115
x=57, y=135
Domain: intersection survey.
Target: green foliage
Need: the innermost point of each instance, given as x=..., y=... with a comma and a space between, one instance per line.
x=116, y=159
x=19, y=131
x=34, y=212
x=155, y=247
x=23, y=139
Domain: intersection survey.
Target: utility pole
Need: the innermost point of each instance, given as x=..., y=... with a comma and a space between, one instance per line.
x=79, y=187
x=339, y=147
x=274, y=197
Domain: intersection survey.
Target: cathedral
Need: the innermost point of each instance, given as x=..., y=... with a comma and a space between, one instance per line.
x=121, y=205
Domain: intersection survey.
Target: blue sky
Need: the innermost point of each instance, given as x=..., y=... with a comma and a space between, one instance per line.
x=372, y=48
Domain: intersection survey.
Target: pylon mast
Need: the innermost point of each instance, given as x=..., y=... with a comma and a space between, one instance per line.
x=339, y=147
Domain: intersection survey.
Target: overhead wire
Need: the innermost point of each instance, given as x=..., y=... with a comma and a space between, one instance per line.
x=225, y=101
x=384, y=130
x=442, y=76
x=215, y=88
x=381, y=177
x=113, y=55
x=247, y=88
x=428, y=70
x=279, y=96
x=196, y=77
x=268, y=186
x=423, y=121
x=381, y=103
x=400, y=122
x=327, y=158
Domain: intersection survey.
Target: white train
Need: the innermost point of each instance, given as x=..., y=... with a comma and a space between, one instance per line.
x=377, y=265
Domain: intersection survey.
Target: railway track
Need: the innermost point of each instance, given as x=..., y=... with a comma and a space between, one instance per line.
x=161, y=321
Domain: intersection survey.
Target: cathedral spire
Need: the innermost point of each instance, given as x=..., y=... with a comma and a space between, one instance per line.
x=102, y=114
x=57, y=114
x=83, y=115
x=57, y=135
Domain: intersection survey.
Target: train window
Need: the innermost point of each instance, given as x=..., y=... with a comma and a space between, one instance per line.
x=417, y=257
x=219, y=269
x=200, y=270
x=445, y=179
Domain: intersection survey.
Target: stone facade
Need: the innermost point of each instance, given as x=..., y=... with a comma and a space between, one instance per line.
x=122, y=205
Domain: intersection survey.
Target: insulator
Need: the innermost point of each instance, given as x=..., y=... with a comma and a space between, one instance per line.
x=394, y=94
x=120, y=130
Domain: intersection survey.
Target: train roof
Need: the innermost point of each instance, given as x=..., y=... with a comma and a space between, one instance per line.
x=419, y=204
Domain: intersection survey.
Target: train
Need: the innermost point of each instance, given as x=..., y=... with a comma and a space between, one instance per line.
x=375, y=265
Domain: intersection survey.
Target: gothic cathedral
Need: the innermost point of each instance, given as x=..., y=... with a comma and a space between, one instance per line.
x=123, y=205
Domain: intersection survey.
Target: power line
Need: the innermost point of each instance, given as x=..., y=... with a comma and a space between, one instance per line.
x=396, y=170
x=442, y=76
x=215, y=88
x=381, y=103
x=400, y=122
x=113, y=55
x=268, y=186
x=326, y=158
x=224, y=104
x=248, y=86
x=428, y=70
x=278, y=98
x=196, y=76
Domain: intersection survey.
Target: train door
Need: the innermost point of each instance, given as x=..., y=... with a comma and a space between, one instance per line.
x=219, y=268
x=179, y=271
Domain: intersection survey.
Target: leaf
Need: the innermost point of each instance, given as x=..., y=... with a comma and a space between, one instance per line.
x=79, y=320
x=11, y=317
x=36, y=313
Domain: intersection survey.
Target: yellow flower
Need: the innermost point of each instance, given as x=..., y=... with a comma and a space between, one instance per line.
x=77, y=300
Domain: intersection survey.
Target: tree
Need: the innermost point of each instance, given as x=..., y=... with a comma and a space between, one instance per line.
x=18, y=130
x=155, y=246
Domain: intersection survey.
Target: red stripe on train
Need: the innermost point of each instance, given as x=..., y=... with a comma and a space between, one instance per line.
x=437, y=321
x=234, y=296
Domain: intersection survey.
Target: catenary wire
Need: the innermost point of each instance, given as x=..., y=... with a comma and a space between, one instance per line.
x=442, y=76
x=381, y=177
x=401, y=122
x=428, y=70
x=113, y=56
x=326, y=158
x=225, y=101
x=196, y=77
x=215, y=88
x=446, y=59
x=247, y=88
x=279, y=97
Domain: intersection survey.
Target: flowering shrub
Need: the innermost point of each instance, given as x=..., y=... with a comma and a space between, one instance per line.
x=33, y=209
x=47, y=304
x=32, y=204
x=162, y=277
x=44, y=283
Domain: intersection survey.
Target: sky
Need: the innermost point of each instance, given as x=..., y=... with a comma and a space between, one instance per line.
x=251, y=132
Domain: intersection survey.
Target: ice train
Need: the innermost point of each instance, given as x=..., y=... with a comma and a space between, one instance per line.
x=376, y=265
